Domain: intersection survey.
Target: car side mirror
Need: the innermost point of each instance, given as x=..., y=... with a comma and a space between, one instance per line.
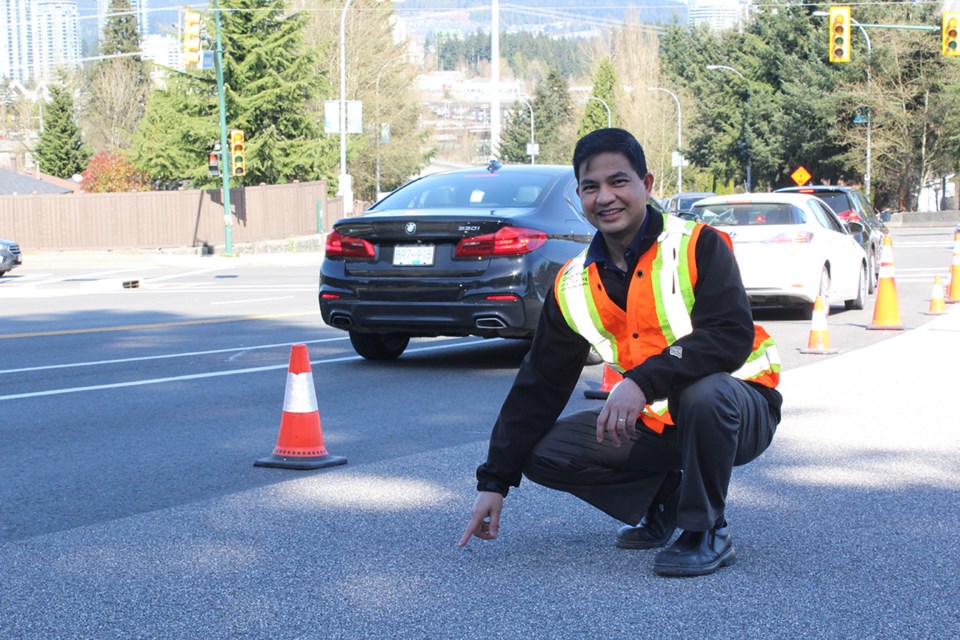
x=885, y=216
x=855, y=227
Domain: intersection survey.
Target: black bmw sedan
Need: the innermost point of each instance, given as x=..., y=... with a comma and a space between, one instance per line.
x=470, y=252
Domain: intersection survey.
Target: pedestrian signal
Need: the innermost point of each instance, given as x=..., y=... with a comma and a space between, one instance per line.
x=839, y=34
x=213, y=163
x=236, y=152
x=191, y=38
x=951, y=22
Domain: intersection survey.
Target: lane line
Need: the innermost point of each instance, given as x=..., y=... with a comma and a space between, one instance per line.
x=159, y=325
x=168, y=356
x=253, y=300
x=201, y=376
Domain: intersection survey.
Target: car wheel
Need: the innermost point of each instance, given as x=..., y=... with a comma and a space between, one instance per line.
x=376, y=346
x=861, y=300
x=873, y=272
x=823, y=293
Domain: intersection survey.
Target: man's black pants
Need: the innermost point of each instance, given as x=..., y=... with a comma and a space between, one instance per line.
x=721, y=422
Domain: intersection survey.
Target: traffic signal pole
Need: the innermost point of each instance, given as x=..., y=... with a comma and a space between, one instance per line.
x=225, y=155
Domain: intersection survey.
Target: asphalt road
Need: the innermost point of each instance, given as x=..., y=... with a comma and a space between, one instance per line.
x=129, y=506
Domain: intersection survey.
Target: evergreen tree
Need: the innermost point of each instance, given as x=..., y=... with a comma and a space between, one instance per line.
x=595, y=115
x=176, y=133
x=515, y=135
x=553, y=119
x=60, y=151
x=120, y=33
x=270, y=79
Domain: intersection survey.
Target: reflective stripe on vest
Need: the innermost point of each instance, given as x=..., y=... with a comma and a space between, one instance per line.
x=671, y=282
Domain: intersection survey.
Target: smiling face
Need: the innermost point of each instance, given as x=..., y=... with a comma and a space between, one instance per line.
x=614, y=197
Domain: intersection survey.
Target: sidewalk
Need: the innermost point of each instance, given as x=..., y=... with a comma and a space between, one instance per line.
x=846, y=528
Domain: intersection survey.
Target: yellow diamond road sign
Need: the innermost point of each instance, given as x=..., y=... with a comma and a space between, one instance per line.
x=801, y=176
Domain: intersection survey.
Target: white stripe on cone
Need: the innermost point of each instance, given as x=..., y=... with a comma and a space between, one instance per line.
x=300, y=395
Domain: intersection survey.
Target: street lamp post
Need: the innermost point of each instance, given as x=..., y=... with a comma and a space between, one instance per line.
x=346, y=181
x=866, y=37
x=745, y=142
x=379, y=125
x=679, y=137
x=605, y=106
x=529, y=106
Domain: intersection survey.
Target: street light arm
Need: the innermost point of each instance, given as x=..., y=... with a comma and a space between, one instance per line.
x=715, y=67
x=606, y=106
x=679, y=135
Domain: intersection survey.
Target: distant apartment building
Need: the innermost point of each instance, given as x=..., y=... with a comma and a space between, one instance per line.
x=719, y=15
x=57, y=37
x=17, y=57
x=39, y=37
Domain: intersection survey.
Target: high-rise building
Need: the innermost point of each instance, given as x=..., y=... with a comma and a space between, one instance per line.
x=140, y=9
x=17, y=54
x=38, y=36
x=56, y=37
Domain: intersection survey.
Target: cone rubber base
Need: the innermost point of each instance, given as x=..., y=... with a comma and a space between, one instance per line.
x=821, y=351
x=596, y=395
x=884, y=326
x=291, y=462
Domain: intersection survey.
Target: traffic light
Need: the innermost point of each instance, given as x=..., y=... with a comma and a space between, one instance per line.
x=839, y=34
x=951, y=21
x=213, y=162
x=191, y=38
x=236, y=152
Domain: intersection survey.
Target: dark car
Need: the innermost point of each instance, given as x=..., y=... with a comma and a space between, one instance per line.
x=470, y=252
x=681, y=204
x=851, y=205
x=10, y=256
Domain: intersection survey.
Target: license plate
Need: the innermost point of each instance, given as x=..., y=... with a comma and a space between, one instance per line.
x=413, y=255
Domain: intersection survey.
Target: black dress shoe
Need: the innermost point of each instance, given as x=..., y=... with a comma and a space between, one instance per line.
x=696, y=553
x=657, y=527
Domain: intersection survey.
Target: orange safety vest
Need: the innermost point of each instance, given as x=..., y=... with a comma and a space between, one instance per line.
x=658, y=312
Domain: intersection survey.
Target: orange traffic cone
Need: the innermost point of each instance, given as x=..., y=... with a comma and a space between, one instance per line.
x=953, y=292
x=936, y=298
x=886, y=312
x=610, y=379
x=819, y=340
x=300, y=443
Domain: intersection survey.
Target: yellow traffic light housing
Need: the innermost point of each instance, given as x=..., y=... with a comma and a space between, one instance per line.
x=191, y=38
x=951, y=23
x=236, y=153
x=839, y=34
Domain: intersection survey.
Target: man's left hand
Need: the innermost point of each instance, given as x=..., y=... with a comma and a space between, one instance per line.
x=618, y=419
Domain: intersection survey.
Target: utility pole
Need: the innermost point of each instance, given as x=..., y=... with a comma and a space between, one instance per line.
x=225, y=169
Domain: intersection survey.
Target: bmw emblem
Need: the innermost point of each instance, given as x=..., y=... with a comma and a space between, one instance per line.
x=411, y=228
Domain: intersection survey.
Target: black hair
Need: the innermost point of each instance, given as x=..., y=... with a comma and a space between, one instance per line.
x=609, y=141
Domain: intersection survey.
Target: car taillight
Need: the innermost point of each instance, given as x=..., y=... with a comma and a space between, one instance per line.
x=503, y=297
x=508, y=241
x=341, y=246
x=791, y=237
x=850, y=216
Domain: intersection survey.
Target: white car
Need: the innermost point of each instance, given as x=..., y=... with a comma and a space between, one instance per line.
x=791, y=248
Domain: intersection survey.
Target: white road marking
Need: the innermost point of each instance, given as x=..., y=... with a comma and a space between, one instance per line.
x=201, y=376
